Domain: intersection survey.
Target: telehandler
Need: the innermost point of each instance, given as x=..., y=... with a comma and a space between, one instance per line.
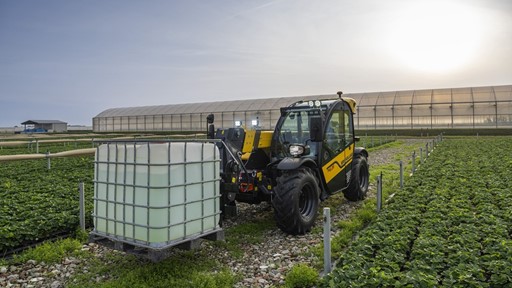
x=310, y=155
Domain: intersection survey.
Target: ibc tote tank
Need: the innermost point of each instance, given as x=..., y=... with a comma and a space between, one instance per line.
x=156, y=195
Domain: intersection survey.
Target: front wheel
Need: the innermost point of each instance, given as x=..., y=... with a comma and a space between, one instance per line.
x=296, y=200
x=359, y=179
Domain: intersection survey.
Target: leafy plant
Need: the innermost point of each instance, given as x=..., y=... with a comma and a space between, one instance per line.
x=301, y=276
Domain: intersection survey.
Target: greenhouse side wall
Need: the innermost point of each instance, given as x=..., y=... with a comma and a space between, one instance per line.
x=458, y=108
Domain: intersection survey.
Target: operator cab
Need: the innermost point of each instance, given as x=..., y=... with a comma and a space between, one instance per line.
x=297, y=121
x=322, y=131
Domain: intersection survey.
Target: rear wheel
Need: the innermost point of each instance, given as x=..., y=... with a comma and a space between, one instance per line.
x=296, y=201
x=359, y=179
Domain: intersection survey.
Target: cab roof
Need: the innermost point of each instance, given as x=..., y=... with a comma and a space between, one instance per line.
x=325, y=103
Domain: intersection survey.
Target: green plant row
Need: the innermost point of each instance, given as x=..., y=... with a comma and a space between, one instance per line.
x=451, y=226
x=375, y=141
x=37, y=203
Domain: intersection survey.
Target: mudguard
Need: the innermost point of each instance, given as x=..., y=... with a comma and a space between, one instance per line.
x=292, y=163
x=360, y=150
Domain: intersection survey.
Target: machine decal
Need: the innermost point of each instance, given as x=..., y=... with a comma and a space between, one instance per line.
x=338, y=163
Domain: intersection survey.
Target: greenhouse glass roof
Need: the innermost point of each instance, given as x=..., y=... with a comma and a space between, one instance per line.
x=392, y=98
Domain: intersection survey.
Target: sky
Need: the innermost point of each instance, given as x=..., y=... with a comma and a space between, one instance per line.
x=70, y=60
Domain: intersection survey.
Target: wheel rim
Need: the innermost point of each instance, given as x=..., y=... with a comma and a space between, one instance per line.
x=306, y=201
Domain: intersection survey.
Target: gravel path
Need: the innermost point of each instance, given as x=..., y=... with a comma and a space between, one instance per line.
x=263, y=265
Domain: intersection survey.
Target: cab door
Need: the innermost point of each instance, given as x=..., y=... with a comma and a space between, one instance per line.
x=338, y=149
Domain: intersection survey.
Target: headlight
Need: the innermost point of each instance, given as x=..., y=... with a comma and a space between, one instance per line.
x=296, y=150
x=315, y=103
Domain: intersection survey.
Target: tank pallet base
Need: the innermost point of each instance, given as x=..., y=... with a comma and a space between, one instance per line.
x=154, y=254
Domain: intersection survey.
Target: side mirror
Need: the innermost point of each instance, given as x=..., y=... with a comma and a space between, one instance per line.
x=316, y=129
x=357, y=138
x=210, y=118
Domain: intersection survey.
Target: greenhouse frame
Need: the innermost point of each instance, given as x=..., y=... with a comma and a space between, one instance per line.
x=472, y=107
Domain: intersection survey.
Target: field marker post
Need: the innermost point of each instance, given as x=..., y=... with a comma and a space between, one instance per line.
x=379, y=192
x=413, y=160
x=49, y=165
x=327, y=240
x=81, y=204
x=421, y=155
x=426, y=150
x=401, y=174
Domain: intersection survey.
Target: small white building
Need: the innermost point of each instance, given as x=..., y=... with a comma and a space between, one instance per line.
x=46, y=125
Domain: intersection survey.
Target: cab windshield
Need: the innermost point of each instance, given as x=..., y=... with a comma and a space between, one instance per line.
x=294, y=129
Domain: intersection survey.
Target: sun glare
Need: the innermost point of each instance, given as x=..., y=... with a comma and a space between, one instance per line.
x=435, y=36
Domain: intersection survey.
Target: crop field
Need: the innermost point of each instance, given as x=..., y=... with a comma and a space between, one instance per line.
x=37, y=203
x=451, y=226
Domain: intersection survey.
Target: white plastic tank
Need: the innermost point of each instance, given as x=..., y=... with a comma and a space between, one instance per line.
x=156, y=194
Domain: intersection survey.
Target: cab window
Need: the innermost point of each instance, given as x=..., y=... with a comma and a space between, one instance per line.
x=338, y=134
x=348, y=133
x=334, y=132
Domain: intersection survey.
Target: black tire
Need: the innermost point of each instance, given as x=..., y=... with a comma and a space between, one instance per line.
x=359, y=180
x=296, y=201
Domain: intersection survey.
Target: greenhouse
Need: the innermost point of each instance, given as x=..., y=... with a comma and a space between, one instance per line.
x=472, y=107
